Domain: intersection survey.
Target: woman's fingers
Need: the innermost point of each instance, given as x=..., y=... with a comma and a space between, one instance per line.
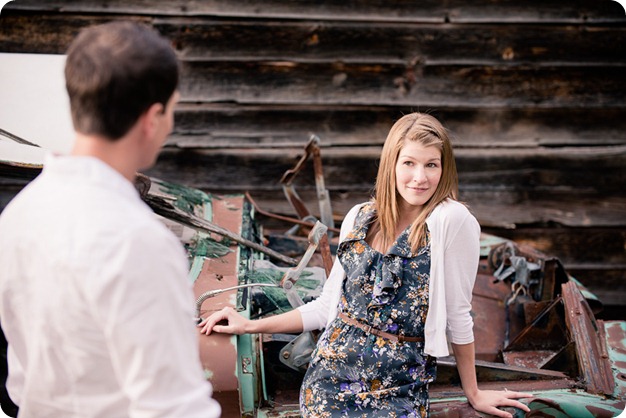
x=490, y=402
x=208, y=324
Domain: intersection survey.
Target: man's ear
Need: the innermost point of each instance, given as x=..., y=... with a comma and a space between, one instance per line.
x=151, y=119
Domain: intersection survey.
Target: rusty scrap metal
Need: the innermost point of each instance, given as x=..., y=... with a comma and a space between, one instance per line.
x=288, y=219
x=312, y=148
x=297, y=353
x=293, y=274
x=613, y=336
x=595, y=369
x=324, y=245
x=543, y=332
x=516, y=268
x=327, y=257
x=165, y=208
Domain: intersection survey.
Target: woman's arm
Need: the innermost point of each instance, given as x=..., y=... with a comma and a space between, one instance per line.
x=288, y=322
x=483, y=400
x=462, y=254
x=312, y=315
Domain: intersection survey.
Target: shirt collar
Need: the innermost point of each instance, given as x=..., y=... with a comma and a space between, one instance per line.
x=91, y=170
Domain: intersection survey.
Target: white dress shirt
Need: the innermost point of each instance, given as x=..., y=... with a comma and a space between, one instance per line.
x=95, y=301
x=455, y=253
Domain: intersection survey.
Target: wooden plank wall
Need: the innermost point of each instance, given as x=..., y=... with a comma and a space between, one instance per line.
x=533, y=93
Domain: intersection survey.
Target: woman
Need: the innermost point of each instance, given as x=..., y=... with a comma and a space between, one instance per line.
x=402, y=280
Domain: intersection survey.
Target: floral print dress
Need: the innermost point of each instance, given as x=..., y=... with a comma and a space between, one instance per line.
x=356, y=374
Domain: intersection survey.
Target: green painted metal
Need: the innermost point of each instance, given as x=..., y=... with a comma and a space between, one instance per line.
x=571, y=403
x=187, y=199
x=248, y=372
x=562, y=403
x=196, y=269
x=308, y=285
x=248, y=361
x=202, y=246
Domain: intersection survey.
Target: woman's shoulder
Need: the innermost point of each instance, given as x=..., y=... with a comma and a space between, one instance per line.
x=453, y=219
x=452, y=207
x=452, y=211
x=350, y=218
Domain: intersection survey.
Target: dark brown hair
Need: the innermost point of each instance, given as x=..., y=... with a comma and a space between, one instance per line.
x=114, y=72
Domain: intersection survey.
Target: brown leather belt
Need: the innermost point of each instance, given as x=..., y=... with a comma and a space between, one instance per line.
x=375, y=331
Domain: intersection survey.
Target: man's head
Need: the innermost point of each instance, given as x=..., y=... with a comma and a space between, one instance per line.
x=114, y=73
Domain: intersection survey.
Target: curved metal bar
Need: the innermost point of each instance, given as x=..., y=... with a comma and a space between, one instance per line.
x=211, y=293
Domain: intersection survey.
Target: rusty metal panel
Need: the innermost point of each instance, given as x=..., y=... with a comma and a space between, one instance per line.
x=614, y=337
x=489, y=323
x=594, y=367
x=218, y=352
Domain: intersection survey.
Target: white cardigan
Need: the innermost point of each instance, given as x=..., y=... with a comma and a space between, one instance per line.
x=455, y=252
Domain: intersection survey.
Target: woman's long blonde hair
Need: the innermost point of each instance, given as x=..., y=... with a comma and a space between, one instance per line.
x=427, y=131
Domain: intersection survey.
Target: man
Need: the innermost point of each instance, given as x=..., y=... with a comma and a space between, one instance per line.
x=94, y=299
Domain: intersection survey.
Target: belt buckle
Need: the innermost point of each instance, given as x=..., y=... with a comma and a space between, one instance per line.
x=368, y=329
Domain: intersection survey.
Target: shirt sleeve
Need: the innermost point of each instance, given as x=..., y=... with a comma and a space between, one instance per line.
x=144, y=304
x=316, y=313
x=462, y=254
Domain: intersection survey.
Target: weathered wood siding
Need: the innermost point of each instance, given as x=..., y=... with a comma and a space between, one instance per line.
x=533, y=93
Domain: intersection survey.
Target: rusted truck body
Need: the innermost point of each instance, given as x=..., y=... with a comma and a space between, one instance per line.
x=535, y=326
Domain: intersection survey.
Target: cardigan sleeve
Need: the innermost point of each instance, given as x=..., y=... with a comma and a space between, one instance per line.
x=317, y=313
x=461, y=257
x=455, y=253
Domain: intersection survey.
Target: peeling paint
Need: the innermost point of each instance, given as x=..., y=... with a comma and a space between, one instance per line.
x=208, y=247
x=187, y=199
x=615, y=343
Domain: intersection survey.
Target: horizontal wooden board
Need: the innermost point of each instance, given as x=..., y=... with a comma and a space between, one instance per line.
x=597, y=246
x=394, y=43
x=399, y=85
x=226, y=125
x=45, y=33
x=521, y=172
x=274, y=40
x=549, y=11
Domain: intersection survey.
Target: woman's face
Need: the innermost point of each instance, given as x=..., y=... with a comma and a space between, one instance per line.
x=418, y=172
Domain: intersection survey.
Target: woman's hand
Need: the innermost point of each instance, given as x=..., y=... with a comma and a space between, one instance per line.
x=236, y=324
x=488, y=401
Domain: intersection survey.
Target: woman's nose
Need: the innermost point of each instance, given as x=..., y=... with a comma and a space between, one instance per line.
x=419, y=174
